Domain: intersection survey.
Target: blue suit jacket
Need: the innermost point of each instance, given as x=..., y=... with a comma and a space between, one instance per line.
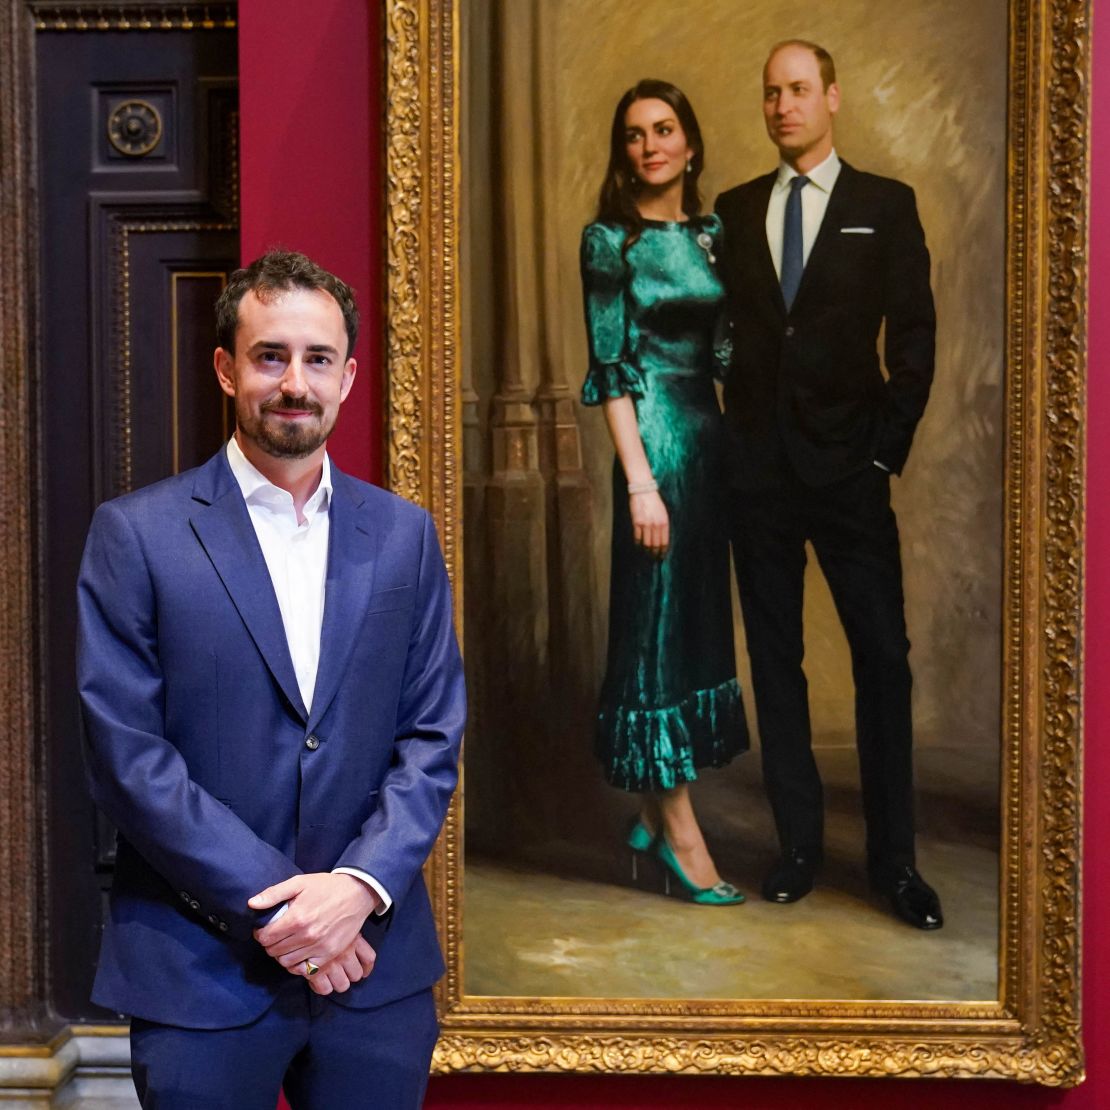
x=200, y=750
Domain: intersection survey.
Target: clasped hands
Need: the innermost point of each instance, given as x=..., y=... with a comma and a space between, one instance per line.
x=322, y=924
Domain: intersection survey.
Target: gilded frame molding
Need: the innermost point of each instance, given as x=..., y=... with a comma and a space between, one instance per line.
x=1032, y=1032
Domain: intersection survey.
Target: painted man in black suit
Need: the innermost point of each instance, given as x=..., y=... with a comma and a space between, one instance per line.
x=819, y=259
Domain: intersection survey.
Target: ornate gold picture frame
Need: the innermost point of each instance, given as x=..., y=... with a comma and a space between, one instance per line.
x=1031, y=1031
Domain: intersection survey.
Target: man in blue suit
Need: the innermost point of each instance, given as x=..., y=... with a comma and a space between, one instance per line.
x=273, y=701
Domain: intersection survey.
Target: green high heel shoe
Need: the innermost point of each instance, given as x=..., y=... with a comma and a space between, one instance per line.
x=723, y=894
x=640, y=840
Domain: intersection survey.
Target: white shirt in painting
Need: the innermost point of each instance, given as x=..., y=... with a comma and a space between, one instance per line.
x=815, y=199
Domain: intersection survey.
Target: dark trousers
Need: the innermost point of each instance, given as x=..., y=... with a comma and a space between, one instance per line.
x=853, y=531
x=325, y=1055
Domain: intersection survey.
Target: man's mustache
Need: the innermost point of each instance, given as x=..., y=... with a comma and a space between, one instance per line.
x=299, y=404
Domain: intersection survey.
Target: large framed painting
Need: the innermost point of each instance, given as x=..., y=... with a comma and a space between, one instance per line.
x=564, y=950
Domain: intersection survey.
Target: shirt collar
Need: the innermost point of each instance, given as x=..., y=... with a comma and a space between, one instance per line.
x=823, y=176
x=259, y=490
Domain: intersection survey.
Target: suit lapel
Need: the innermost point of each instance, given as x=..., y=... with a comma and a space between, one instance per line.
x=352, y=559
x=756, y=228
x=223, y=526
x=830, y=228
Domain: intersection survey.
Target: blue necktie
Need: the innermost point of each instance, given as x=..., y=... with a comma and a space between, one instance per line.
x=792, y=264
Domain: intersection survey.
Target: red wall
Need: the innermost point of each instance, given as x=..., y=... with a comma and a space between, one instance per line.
x=309, y=78
x=309, y=150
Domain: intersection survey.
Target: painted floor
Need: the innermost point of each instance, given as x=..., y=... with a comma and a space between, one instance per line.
x=541, y=931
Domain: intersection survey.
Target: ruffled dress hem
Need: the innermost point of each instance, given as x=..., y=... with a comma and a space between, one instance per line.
x=658, y=749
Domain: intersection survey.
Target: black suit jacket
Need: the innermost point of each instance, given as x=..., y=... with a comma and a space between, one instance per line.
x=805, y=391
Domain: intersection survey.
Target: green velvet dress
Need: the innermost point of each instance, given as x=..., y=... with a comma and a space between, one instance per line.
x=670, y=702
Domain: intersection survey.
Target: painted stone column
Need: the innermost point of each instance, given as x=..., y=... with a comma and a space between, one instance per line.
x=515, y=623
x=570, y=506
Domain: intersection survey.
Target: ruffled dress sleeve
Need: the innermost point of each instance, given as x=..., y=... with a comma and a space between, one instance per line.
x=612, y=372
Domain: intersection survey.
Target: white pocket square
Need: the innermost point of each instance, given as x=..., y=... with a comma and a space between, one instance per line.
x=857, y=231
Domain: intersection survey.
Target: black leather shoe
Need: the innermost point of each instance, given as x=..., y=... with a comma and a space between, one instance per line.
x=792, y=877
x=910, y=896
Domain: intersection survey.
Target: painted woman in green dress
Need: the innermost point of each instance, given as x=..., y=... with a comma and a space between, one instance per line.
x=670, y=703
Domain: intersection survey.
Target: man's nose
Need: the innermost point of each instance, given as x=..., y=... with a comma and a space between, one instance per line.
x=293, y=380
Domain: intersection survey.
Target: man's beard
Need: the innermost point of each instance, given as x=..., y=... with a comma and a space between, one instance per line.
x=286, y=439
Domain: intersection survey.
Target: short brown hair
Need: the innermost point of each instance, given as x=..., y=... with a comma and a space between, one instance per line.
x=824, y=59
x=279, y=271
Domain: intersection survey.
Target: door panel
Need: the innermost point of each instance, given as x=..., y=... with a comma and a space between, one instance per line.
x=137, y=136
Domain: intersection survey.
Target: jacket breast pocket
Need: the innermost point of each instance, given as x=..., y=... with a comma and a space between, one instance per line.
x=857, y=239
x=386, y=601
x=855, y=267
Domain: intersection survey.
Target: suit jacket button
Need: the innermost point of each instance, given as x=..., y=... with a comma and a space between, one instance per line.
x=790, y=331
x=194, y=903
x=312, y=743
x=223, y=926
x=184, y=895
x=213, y=919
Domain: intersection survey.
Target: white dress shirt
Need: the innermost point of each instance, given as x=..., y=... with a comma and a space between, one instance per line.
x=815, y=199
x=296, y=554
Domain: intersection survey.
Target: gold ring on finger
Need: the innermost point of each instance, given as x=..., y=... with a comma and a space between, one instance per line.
x=310, y=968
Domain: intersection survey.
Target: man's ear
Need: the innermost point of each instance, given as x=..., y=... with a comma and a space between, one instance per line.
x=224, y=362
x=832, y=94
x=348, y=379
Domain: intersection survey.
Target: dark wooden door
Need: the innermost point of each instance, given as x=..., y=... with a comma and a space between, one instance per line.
x=138, y=135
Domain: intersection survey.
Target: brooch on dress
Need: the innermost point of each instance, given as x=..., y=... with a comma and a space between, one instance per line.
x=705, y=241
